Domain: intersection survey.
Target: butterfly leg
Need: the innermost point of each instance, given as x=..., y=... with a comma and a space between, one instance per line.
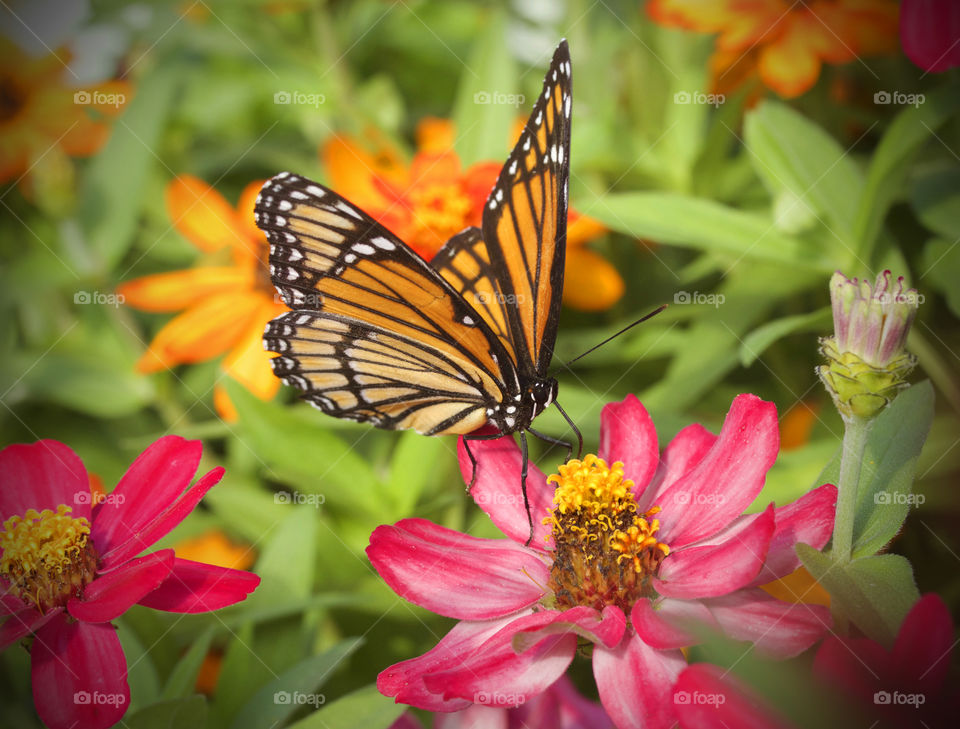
x=575, y=430
x=523, y=483
x=553, y=441
x=473, y=459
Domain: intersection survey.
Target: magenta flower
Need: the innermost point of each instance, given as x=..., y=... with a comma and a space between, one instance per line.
x=627, y=565
x=906, y=687
x=68, y=569
x=930, y=33
x=559, y=707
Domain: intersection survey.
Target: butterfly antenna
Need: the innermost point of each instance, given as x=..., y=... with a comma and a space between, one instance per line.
x=614, y=336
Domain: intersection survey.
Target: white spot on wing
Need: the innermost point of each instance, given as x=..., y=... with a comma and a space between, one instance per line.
x=363, y=249
x=381, y=242
x=316, y=191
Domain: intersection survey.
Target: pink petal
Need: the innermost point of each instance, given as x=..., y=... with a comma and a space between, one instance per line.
x=683, y=453
x=778, y=629
x=576, y=711
x=627, y=434
x=405, y=680
x=809, y=520
x=454, y=574
x=497, y=490
x=634, y=681
x=605, y=628
x=195, y=587
x=729, y=562
x=476, y=716
x=495, y=673
x=705, y=699
x=671, y=624
x=407, y=721
x=856, y=666
x=922, y=650
x=727, y=479
x=151, y=484
x=22, y=623
x=113, y=593
x=79, y=675
x=163, y=522
x=929, y=33
x=40, y=476
x=10, y=603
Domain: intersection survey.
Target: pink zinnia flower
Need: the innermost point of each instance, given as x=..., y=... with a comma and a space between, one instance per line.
x=625, y=564
x=906, y=687
x=559, y=707
x=930, y=33
x=67, y=569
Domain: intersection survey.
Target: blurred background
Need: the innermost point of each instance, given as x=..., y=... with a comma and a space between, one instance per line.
x=724, y=163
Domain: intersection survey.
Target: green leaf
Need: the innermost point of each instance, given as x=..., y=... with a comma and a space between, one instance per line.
x=241, y=673
x=141, y=671
x=792, y=154
x=886, y=477
x=366, y=707
x=116, y=179
x=935, y=197
x=286, y=564
x=891, y=161
x=488, y=82
x=759, y=339
x=287, y=693
x=941, y=263
x=679, y=220
x=874, y=592
x=408, y=472
x=183, y=678
x=172, y=714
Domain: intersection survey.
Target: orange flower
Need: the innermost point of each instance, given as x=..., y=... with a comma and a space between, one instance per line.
x=434, y=198
x=780, y=42
x=41, y=116
x=225, y=304
x=213, y=547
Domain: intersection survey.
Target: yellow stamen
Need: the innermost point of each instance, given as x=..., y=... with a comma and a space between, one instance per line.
x=47, y=556
x=439, y=212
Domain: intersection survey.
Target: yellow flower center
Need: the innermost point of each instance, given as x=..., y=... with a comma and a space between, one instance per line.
x=439, y=212
x=47, y=557
x=605, y=551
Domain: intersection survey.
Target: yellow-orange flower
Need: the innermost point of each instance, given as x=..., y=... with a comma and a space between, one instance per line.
x=225, y=302
x=783, y=43
x=428, y=201
x=213, y=547
x=42, y=116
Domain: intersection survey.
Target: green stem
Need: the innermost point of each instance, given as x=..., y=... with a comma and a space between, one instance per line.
x=854, y=445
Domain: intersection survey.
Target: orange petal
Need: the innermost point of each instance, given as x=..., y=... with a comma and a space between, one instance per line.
x=85, y=138
x=435, y=135
x=591, y=283
x=581, y=229
x=478, y=182
x=213, y=547
x=797, y=424
x=179, y=289
x=202, y=214
x=434, y=169
x=516, y=129
x=798, y=587
x=248, y=363
x=224, y=405
x=248, y=199
x=789, y=66
x=203, y=331
x=352, y=169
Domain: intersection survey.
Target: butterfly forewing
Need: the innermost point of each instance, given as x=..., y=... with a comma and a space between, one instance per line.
x=525, y=221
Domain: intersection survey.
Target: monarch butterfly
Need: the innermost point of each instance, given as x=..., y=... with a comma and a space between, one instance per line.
x=378, y=335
